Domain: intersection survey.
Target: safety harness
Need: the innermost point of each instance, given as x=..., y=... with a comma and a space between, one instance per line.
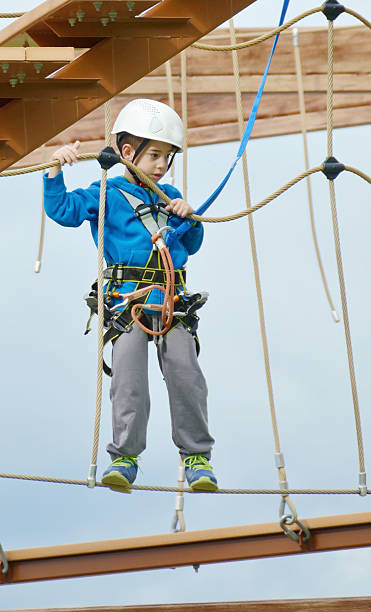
x=117, y=321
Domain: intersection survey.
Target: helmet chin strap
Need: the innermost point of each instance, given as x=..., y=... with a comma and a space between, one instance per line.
x=140, y=150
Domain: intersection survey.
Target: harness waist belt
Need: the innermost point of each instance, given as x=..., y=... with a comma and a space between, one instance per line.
x=153, y=276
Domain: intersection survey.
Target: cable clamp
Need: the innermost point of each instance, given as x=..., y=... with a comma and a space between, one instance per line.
x=4, y=561
x=362, y=484
x=179, y=502
x=92, y=478
x=108, y=158
x=332, y=9
x=279, y=459
x=332, y=167
x=284, y=485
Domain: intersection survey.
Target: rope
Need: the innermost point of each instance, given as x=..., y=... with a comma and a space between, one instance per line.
x=183, y=68
x=187, y=490
x=263, y=332
x=10, y=15
x=338, y=251
x=101, y=215
x=171, y=102
x=259, y=39
x=358, y=16
x=42, y=226
x=299, y=76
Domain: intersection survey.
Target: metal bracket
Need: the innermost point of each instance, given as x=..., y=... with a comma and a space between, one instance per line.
x=4, y=561
x=332, y=9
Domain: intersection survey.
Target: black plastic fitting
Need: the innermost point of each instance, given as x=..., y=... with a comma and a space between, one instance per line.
x=332, y=9
x=332, y=168
x=108, y=158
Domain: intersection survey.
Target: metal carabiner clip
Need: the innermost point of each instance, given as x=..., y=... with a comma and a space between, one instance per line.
x=287, y=519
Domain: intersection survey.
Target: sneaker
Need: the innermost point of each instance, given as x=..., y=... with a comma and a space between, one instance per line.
x=199, y=474
x=120, y=475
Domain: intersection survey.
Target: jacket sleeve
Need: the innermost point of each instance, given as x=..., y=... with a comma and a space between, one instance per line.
x=70, y=208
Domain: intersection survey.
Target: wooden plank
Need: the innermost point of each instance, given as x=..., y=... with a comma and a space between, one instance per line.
x=190, y=548
x=224, y=83
x=141, y=27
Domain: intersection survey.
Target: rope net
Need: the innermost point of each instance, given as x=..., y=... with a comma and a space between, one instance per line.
x=284, y=491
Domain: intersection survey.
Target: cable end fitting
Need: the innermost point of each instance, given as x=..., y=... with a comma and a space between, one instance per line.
x=37, y=267
x=332, y=9
x=332, y=168
x=279, y=459
x=362, y=484
x=295, y=37
x=335, y=316
x=108, y=158
x=92, y=478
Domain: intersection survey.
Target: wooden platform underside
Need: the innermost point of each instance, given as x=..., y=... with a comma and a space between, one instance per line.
x=211, y=104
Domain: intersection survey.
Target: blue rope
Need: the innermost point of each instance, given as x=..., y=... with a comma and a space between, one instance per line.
x=188, y=223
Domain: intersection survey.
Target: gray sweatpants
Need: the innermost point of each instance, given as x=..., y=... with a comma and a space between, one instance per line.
x=186, y=387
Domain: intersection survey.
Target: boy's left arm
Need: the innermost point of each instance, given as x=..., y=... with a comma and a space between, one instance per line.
x=192, y=239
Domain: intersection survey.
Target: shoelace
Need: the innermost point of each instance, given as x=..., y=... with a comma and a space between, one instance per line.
x=197, y=462
x=130, y=460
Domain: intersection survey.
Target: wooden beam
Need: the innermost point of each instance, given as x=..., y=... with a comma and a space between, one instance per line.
x=330, y=604
x=224, y=83
x=178, y=549
x=141, y=27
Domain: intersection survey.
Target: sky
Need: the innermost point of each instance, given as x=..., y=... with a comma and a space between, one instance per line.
x=49, y=367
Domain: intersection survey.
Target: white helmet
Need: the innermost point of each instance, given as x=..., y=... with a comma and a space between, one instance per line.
x=152, y=120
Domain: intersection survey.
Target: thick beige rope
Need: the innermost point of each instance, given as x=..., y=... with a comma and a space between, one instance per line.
x=183, y=69
x=358, y=16
x=178, y=490
x=170, y=95
x=259, y=39
x=42, y=225
x=10, y=15
x=299, y=76
x=335, y=223
x=259, y=294
x=101, y=215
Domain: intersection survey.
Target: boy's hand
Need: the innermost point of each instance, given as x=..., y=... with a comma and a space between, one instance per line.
x=65, y=155
x=180, y=207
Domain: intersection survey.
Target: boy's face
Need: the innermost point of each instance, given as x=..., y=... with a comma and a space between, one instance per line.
x=154, y=159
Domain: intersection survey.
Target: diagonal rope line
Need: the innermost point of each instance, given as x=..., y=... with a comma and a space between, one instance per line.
x=339, y=260
x=259, y=39
x=259, y=294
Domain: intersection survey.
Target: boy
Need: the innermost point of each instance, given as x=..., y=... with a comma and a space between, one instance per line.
x=148, y=134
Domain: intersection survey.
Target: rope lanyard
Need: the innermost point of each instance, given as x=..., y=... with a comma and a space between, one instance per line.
x=186, y=225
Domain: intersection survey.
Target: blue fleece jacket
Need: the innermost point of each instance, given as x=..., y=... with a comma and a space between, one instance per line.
x=126, y=240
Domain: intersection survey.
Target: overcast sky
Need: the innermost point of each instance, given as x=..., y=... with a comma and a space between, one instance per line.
x=49, y=368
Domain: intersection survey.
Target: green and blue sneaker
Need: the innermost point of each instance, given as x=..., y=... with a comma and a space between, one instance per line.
x=121, y=474
x=199, y=474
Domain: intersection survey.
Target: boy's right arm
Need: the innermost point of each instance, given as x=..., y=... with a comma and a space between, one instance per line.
x=68, y=208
